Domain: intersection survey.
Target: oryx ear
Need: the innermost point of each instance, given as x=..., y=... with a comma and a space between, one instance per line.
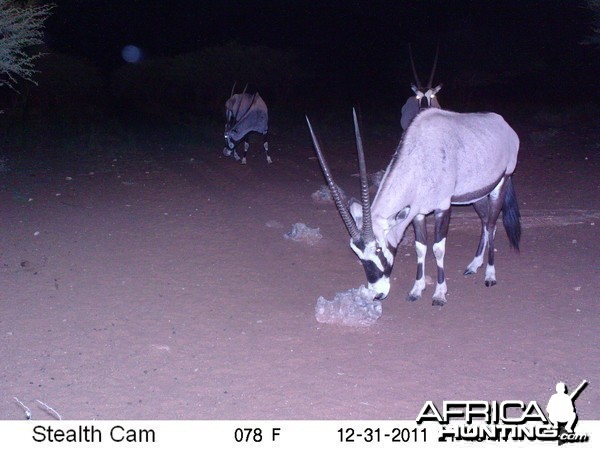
x=356, y=212
x=434, y=99
x=398, y=218
x=402, y=214
x=397, y=225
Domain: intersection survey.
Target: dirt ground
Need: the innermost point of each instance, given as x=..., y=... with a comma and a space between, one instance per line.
x=158, y=285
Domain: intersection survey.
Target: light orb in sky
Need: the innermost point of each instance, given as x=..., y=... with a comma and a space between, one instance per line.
x=131, y=53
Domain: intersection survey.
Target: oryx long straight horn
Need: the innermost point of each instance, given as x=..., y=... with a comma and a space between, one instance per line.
x=335, y=192
x=367, y=225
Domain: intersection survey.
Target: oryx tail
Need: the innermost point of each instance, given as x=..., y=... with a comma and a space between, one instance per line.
x=511, y=217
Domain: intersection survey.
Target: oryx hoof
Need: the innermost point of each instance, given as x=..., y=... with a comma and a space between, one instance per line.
x=244, y=160
x=469, y=271
x=226, y=152
x=490, y=283
x=437, y=301
x=413, y=297
x=269, y=160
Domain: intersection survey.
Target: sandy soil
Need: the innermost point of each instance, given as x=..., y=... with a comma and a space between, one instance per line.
x=159, y=285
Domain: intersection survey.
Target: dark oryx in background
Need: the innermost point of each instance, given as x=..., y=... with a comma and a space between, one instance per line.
x=425, y=96
x=245, y=114
x=444, y=158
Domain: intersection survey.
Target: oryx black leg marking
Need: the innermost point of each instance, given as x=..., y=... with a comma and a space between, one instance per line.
x=235, y=153
x=421, y=249
x=266, y=147
x=482, y=209
x=442, y=221
x=226, y=150
x=246, y=147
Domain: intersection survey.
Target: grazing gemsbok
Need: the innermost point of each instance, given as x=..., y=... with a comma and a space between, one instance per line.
x=425, y=97
x=443, y=158
x=245, y=114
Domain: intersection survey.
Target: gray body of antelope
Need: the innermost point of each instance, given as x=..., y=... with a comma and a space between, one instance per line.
x=245, y=114
x=444, y=158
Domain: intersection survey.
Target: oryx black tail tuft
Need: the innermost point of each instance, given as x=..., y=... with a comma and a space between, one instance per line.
x=511, y=217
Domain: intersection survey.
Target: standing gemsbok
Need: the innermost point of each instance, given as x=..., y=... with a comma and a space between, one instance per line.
x=425, y=96
x=245, y=114
x=443, y=158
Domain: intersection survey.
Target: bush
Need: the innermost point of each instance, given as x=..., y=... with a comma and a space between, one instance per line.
x=20, y=29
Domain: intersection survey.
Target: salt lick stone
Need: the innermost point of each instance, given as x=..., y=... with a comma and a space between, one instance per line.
x=302, y=233
x=354, y=308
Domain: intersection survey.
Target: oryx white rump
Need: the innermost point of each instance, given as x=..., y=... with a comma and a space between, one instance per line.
x=443, y=158
x=245, y=113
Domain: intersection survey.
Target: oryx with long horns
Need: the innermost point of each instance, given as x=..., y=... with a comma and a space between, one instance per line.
x=444, y=158
x=245, y=114
x=425, y=96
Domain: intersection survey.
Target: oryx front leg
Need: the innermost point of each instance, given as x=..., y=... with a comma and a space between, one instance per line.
x=442, y=221
x=421, y=251
x=266, y=147
x=246, y=147
x=235, y=155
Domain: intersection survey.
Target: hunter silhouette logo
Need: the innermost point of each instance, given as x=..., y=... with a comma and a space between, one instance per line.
x=561, y=410
x=509, y=420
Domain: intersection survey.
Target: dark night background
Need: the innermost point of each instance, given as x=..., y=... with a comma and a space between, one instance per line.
x=302, y=56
